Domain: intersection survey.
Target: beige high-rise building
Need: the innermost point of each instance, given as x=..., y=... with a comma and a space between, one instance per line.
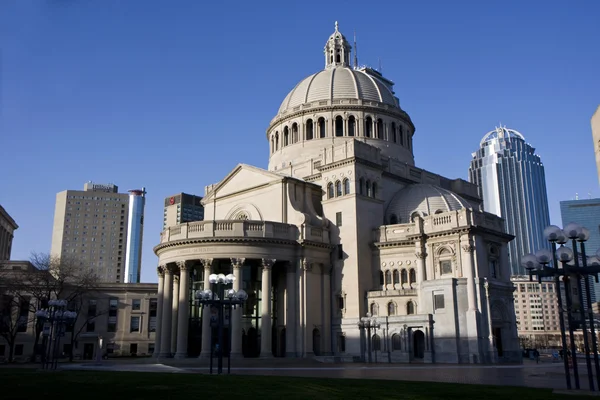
x=91, y=226
x=596, y=135
x=7, y=229
x=181, y=208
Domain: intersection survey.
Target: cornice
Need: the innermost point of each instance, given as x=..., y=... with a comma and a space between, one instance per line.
x=223, y=240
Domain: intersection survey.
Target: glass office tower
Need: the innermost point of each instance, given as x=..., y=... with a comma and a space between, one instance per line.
x=135, y=233
x=585, y=213
x=512, y=183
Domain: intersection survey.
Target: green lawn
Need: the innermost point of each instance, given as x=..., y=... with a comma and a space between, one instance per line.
x=88, y=385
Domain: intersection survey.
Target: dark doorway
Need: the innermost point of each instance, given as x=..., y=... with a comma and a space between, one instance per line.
x=282, y=349
x=88, y=351
x=419, y=344
x=497, y=332
x=316, y=342
x=250, y=343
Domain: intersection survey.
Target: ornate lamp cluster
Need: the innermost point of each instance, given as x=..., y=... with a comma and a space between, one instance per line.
x=574, y=264
x=57, y=318
x=220, y=299
x=367, y=323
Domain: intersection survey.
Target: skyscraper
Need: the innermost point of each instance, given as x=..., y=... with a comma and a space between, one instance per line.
x=585, y=213
x=135, y=234
x=512, y=183
x=181, y=208
x=91, y=226
x=596, y=136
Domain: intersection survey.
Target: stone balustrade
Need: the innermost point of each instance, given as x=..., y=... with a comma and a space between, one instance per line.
x=243, y=229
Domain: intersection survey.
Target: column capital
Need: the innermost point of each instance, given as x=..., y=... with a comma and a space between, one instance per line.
x=420, y=255
x=160, y=271
x=207, y=262
x=237, y=263
x=176, y=279
x=267, y=263
x=168, y=269
x=468, y=248
x=306, y=264
x=183, y=265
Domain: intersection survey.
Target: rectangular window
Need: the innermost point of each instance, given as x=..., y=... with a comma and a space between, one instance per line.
x=113, y=306
x=18, y=350
x=342, y=343
x=338, y=219
x=2, y=350
x=92, y=308
x=133, y=348
x=136, y=304
x=446, y=267
x=152, y=316
x=90, y=326
x=23, y=315
x=150, y=348
x=135, y=324
x=438, y=302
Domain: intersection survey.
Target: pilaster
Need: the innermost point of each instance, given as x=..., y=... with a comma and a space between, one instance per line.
x=183, y=313
x=160, y=270
x=265, y=330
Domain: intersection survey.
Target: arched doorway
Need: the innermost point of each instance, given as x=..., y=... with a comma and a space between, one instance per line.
x=316, y=342
x=419, y=344
x=499, y=322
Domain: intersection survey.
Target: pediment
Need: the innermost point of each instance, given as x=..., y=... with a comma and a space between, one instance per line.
x=241, y=178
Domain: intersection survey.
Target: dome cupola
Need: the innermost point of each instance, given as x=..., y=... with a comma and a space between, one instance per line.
x=337, y=50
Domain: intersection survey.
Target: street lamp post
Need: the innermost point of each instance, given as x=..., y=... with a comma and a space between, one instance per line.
x=222, y=299
x=367, y=323
x=538, y=264
x=55, y=318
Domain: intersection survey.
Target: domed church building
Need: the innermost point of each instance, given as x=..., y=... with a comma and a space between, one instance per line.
x=341, y=230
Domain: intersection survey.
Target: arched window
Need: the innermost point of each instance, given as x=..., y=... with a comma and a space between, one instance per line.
x=285, y=136
x=393, y=219
x=294, y=133
x=394, y=132
x=376, y=343
x=276, y=140
x=410, y=308
x=339, y=126
x=396, y=277
x=338, y=188
x=438, y=212
x=379, y=133
x=414, y=216
x=309, y=129
x=368, y=186
x=361, y=186
x=346, y=186
x=412, y=276
x=396, y=342
x=272, y=144
x=391, y=309
x=374, y=190
x=321, y=127
x=401, y=135
x=381, y=281
x=351, y=126
x=368, y=127
x=403, y=277
x=388, y=277
x=374, y=309
x=330, y=193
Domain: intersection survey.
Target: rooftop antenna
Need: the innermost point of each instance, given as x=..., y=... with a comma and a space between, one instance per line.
x=379, y=65
x=355, y=52
x=576, y=196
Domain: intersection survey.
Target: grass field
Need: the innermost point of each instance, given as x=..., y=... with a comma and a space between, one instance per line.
x=88, y=385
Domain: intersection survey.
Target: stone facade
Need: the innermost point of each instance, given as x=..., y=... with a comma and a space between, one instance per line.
x=341, y=225
x=7, y=229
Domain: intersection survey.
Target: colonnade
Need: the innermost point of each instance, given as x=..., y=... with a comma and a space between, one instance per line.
x=174, y=303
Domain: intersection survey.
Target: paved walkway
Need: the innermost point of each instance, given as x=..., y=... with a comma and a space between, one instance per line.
x=543, y=375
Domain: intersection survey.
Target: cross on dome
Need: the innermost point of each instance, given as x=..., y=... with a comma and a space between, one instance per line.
x=337, y=50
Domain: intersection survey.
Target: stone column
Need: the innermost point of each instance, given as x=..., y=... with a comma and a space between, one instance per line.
x=160, y=270
x=326, y=310
x=265, y=320
x=236, y=315
x=183, y=314
x=472, y=312
x=291, y=319
x=167, y=308
x=175, y=312
x=420, y=254
x=206, y=330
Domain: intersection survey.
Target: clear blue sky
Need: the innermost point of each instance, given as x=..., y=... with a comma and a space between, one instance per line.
x=171, y=95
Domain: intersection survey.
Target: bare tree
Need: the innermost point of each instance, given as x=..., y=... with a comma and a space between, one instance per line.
x=14, y=313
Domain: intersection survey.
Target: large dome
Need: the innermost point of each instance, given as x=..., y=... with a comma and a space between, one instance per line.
x=424, y=199
x=338, y=83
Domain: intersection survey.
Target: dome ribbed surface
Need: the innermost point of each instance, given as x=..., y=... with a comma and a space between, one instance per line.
x=425, y=199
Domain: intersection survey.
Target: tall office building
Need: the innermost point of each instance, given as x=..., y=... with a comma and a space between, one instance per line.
x=585, y=212
x=596, y=136
x=512, y=183
x=7, y=228
x=91, y=226
x=181, y=208
x=135, y=234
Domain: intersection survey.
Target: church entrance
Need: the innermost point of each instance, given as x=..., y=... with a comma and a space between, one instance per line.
x=419, y=345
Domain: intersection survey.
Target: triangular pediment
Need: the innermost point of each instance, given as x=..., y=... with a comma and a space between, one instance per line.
x=242, y=178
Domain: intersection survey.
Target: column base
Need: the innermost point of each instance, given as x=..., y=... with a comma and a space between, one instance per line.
x=237, y=355
x=181, y=355
x=291, y=354
x=269, y=355
x=204, y=354
x=165, y=355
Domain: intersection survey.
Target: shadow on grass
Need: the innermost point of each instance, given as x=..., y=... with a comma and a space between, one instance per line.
x=29, y=383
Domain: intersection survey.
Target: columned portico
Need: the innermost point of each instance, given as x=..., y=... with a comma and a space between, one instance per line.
x=265, y=320
x=183, y=310
x=291, y=304
x=167, y=311
x=175, y=312
x=206, y=332
x=236, y=315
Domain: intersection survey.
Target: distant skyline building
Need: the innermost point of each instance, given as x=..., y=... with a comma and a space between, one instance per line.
x=585, y=212
x=7, y=228
x=512, y=183
x=90, y=225
x=596, y=136
x=181, y=208
x=135, y=235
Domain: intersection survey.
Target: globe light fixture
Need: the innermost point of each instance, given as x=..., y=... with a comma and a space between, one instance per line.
x=368, y=323
x=53, y=321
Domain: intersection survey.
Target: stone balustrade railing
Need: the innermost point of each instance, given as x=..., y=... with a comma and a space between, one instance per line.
x=242, y=228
